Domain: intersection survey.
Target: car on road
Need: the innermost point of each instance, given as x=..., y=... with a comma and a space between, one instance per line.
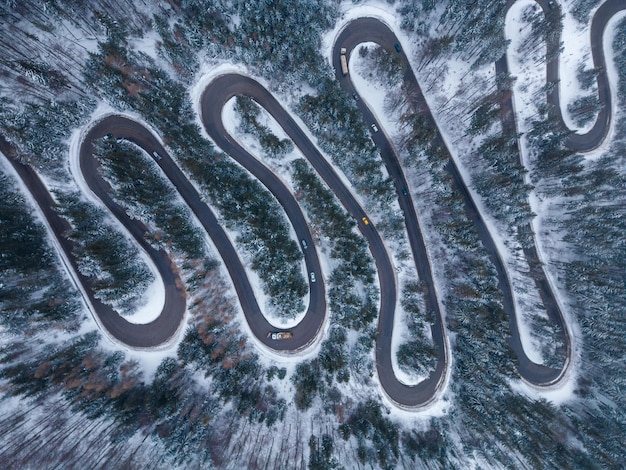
x=374, y=128
x=304, y=244
x=355, y=96
x=551, y=4
x=405, y=192
x=397, y=47
x=312, y=276
x=278, y=335
x=365, y=221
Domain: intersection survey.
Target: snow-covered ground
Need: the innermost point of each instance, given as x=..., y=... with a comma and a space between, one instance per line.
x=441, y=97
x=282, y=168
x=576, y=51
x=232, y=123
x=375, y=96
x=526, y=297
x=576, y=43
x=530, y=78
x=153, y=299
x=406, y=270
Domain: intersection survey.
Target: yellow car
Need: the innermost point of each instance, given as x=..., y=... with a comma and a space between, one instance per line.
x=365, y=221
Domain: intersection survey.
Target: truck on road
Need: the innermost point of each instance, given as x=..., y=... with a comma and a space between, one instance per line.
x=344, y=61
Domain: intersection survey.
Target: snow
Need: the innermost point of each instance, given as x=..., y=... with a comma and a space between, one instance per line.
x=576, y=42
x=515, y=266
x=148, y=43
x=209, y=73
x=250, y=143
x=374, y=95
x=153, y=298
x=558, y=395
x=576, y=51
x=89, y=43
x=235, y=21
x=350, y=12
x=231, y=121
x=613, y=74
x=8, y=168
x=530, y=79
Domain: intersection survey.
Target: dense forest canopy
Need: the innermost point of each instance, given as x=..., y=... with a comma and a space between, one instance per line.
x=70, y=398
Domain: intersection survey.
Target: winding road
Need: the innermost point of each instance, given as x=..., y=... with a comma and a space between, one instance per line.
x=217, y=93
x=150, y=335
x=124, y=128
x=215, y=96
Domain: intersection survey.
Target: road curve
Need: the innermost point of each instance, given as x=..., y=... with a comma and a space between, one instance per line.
x=373, y=30
x=596, y=135
x=166, y=325
x=124, y=128
x=217, y=93
x=149, y=335
x=576, y=142
x=213, y=99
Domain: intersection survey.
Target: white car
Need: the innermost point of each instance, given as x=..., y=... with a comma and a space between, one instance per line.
x=304, y=244
x=374, y=128
x=312, y=276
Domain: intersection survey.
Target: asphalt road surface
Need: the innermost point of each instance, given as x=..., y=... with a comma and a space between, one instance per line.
x=213, y=99
x=596, y=135
x=166, y=326
x=123, y=128
x=149, y=335
x=372, y=30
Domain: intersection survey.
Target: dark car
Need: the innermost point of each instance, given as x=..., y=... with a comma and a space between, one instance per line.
x=397, y=48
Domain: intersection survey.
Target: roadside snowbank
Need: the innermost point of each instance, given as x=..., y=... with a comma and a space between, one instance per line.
x=154, y=295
